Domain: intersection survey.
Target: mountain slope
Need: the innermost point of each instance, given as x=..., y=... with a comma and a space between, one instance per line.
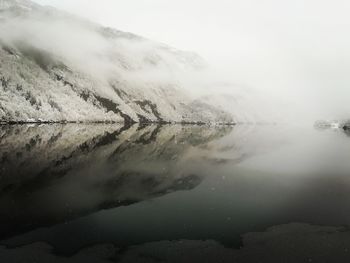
x=57, y=67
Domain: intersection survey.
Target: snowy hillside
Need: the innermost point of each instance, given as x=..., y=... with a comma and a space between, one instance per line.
x=57, y=67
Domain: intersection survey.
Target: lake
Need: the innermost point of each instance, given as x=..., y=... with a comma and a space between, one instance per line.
x=143, y=188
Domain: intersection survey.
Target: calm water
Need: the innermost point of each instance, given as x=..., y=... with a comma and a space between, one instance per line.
x=73, y=186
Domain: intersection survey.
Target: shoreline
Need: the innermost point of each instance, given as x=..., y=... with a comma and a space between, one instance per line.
x=199, y=123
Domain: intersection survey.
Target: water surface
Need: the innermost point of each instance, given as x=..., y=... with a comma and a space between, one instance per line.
x=127, y=186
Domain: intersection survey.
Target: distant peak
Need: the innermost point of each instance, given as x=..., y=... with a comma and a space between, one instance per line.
x=24, y=4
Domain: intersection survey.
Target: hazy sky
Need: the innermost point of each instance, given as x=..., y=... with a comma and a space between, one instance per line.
x=296, y=49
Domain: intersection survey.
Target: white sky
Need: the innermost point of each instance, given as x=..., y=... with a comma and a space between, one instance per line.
x=298, y=49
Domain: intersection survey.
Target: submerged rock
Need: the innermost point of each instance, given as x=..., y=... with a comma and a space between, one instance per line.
x=290, y=243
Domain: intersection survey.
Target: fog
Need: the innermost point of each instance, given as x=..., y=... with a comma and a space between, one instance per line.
x=291, y=57
x=83, y=45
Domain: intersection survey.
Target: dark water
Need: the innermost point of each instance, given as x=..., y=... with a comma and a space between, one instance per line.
x=73, y=186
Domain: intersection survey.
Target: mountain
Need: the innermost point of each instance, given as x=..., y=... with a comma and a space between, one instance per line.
x=56, y=67
x=17, y=4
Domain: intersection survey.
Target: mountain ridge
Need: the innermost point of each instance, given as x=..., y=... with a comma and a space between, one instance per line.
x=55, y=67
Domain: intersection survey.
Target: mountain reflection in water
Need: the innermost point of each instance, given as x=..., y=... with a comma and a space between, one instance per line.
x=54, y=173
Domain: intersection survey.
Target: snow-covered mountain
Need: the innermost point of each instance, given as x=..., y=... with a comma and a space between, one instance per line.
x=21, y=4
x=57, y=67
